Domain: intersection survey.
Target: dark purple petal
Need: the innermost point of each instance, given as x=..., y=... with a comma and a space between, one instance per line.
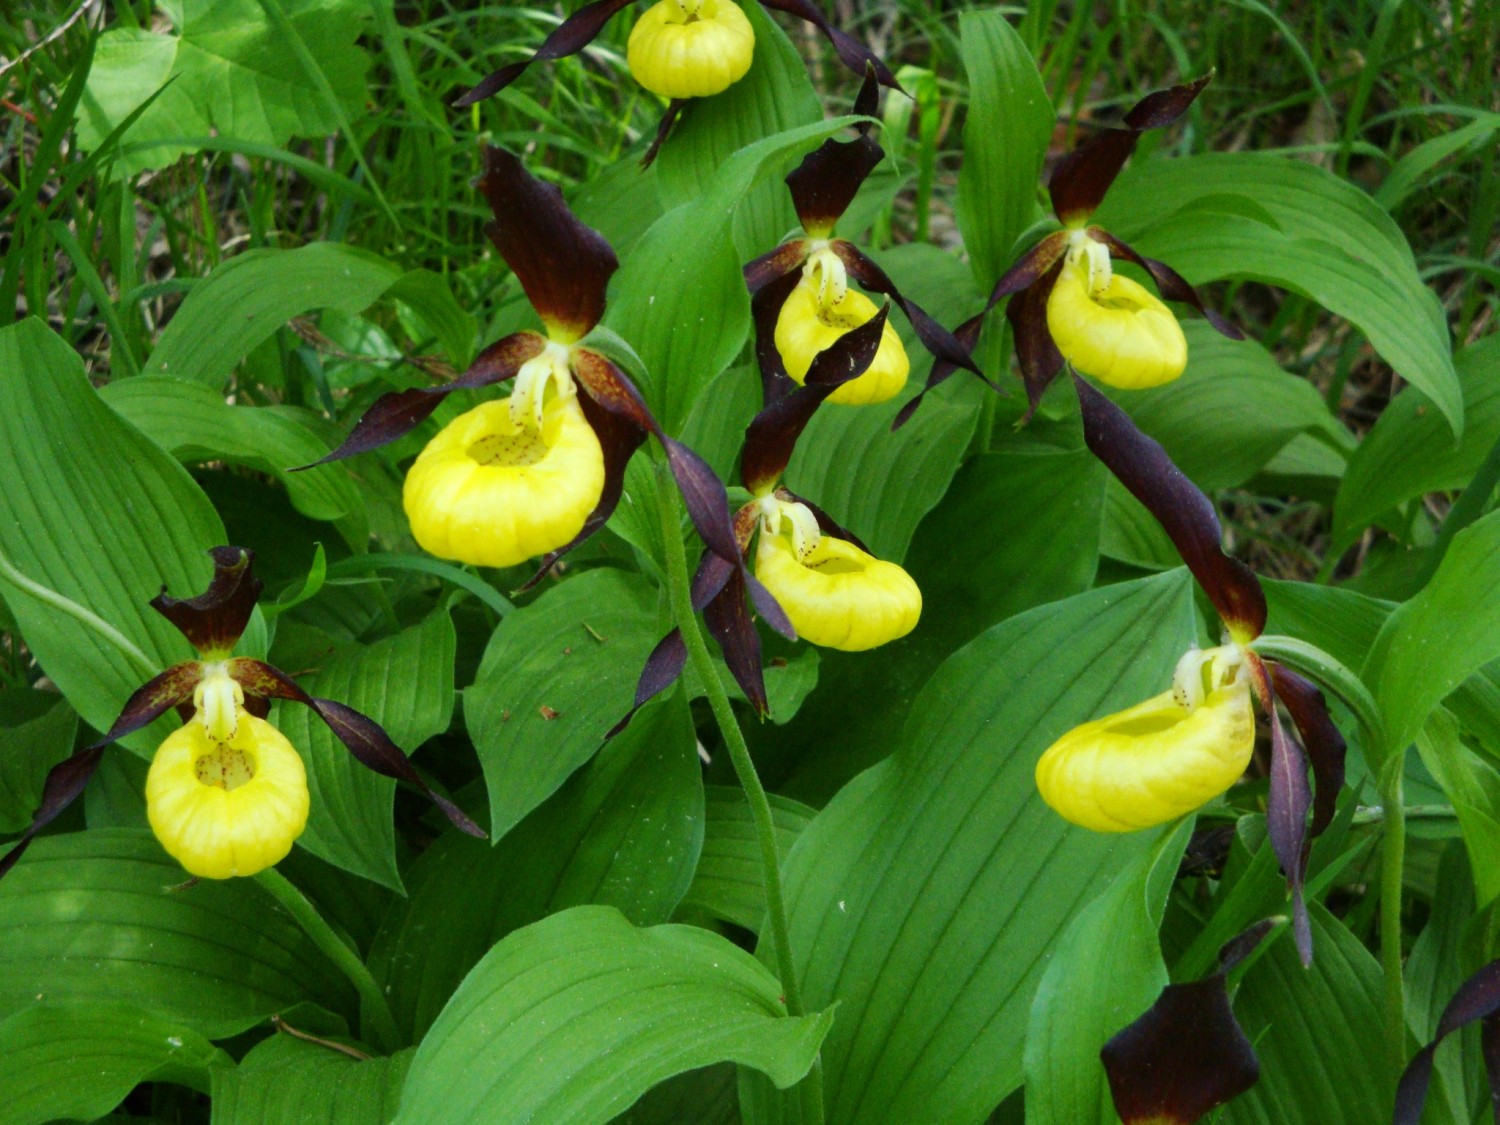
x=827, y=180
x=1489, y=1049
x=1287, y=805
x=662, y=669
x=1036, y=351
x=571, y=36
x=619, y=438
x=396, y=414
x=155, y=698
x=563, y=265
x=769, y=608
x=1083, y=176
x=1173, y=285
x=765, y=310
x=1478, y=998
x=967, y=334
x=362, y=735
x=1324, y=743
x=1030, y=268
x=1162, y=107
x=852, y=53
x=1187, y=1054
x=777, y=264
x=935, y=338
x=65, y=782
x=728, y=619
x=214, y=620
x=663, y=129
x=772, y=434
x=1184, y=512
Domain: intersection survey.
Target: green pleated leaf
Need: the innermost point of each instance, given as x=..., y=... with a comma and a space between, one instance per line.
x=556, y=676
x=79, y=1061
x=1322, y=237
x=27, y=751
x=1434, y=642
x=1410, y=450
x=194, y=424
x=572, y=1019
x=404, y=683
x=728, y=881
x=926, y=898
x=709, y=1096
x=1312, y=1030
x=94, y=519
x=103, y=917
x=625, y=831
x=1105, y=971
x=1006, y=134
x=776, y=95
x=680, y=298
x=285, y=1081
x=1231, y=412
x=1472, y=786
x=877, y=483
x=246, y=299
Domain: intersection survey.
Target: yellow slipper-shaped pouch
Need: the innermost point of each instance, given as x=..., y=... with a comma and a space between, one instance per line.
x=1120, y=333
x=690, y=48
x=807, y=325
x=839, y=596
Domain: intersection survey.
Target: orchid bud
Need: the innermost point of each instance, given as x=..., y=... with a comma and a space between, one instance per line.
x=690, y=48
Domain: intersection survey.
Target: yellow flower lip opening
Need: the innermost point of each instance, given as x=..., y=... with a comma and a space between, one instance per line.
x=819, y=310
x=225, y=808
x=835, y=594
x=509, y=480
x=1160, y=759
x=690, y=48
x=1110, y=327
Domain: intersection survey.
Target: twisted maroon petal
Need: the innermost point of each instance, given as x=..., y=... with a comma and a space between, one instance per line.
x=571, y=36
x=852, y=53
x=1478, y=998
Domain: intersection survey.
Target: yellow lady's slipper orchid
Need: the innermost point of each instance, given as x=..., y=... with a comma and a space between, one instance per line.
x=816, y=314
x=1111, y=328
x=691, y=48
x=493, y=489
x=230, y=806
x=1160, y=759
x=835, y=594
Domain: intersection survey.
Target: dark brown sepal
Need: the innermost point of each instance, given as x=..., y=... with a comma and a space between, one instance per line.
x=1184, y=512
x=1173, y=286
x=619, y=438
x=571, y=36
x=772, y=434
x=362, y=735
x=829, y=177
x=935, y=338
x=1161, y=108
x=765, y=310
x=1287, y=805
x=852, y=53
x=394, y=415
x=776, y=264
x=1478, y=998
x=1325, y=745
x=826, y=523
x=1187, y=1054
x=1036, y=351
x=663, y=130
x=563, y=265
x=214, y=620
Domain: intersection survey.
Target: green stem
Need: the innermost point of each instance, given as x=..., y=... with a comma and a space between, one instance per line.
x=679, y=588
x=377, y=1012
x=1337, y=678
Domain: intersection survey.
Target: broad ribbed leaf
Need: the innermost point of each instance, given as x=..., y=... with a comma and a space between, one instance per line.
x=285, y=1081
x=1006, y=134
x=625, y=831
x=104, y=917
x=728, y=882
x=570, y=1020
x=195, y=424
x=1104, y=972
x=1434, y=642
x=556, y=676
x=1312, y=1030
x=1410, y=450
x=31, y=748
x=94, y=519
x=927, y=896
x=1322, y=236
x=246, y=299
x=404, y=683
x=79, y=1061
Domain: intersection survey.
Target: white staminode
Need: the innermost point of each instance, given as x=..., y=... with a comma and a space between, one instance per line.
x=1222, y=663
x=689, y=8
x=1080, y=245
x=826, y=269
x=218, y=701
x=804, y=525
x=529, y=394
